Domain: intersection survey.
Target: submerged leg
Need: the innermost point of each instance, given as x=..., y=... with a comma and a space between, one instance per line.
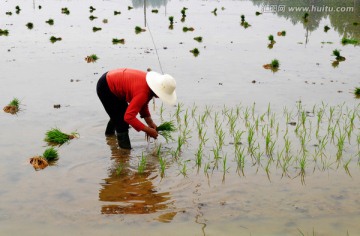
x=110, y=128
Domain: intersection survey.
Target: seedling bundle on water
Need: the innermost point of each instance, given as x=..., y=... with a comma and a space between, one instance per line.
x=165, y=130
x=138, y=29
x=50, y=22
x=49, y=156
x=56, y=137
x=91, y=58
x=13, y=106
x=186, y=29
x=96, y=29
x=274, y=65
x=346, y=41
x=116, y=41
x=30, y=25
x=4, y=32
x=53, y=39
x=65, y=11
x=195, y=52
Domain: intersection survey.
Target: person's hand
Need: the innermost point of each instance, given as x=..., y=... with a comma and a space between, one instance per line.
x=150, y=132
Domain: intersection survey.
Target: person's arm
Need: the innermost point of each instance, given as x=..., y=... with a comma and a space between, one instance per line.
x=150, y=122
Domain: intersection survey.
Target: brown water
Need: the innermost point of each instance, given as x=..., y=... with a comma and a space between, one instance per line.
x=84, y=194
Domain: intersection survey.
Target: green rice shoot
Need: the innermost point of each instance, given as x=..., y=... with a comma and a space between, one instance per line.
x=275, y=64
x=346, y=41
x=4, y=32
x=56, y=136
x=15, y=102
x=51, y=154
x=357, y=92
x=165, y=130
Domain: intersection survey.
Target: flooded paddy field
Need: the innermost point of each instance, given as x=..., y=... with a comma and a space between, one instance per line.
x=256, y=152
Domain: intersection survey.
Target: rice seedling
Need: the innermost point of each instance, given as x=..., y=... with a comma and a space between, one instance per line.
x=138, y=30
x=162, y=162
x=92, y=17
x=130, y=8
x=250, y=138
x=65, y=11
x=340, y=145
x=195, y=52
x=274, y=65
x=326, y=28
x=92, y=58
x=178, y=111
x=346, y=167
x=206, y=168
x=30, y=25
x=305, y=17
x=199, y=39
x=346, y=41
x=225, y=168
x=281, y=33
x=214, y=12
x=50, y=22
x=95, y=29
x=9, y=13
x=4, y=32
x=17, y=8
x=55, y=136
x=155, y=11
x=183, y=12
x=258, y=13
x=13, y=107
x=39, y=7
x=357, y=92
x=40, y=162
x=338, y=56
x=165, y=130
x=171, y=19
x=240, y=159
x=117, y=13
x=186, y=29
x=51, y=154
x=54, y=39
x=119, y=169
x=118, y=41
x=142, y=164
x=246, y=25
x=105, y=21
x=183, y=170
x=242, y=19
x=199, y=155
x=92, y=9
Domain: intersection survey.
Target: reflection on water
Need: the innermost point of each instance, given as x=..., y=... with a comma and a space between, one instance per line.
x=129, y=192
x=341, y=21
x=149, y=3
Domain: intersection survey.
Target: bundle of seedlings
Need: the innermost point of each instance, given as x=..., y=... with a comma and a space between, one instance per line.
x=195, y=52
x=274, y=65
x=65, y=11
x=49, y=156
x=92, y=9
x=92, y=17
x=199, y=39
x=50, y=21
x=155, y=11
x=92, y=58
x=54, y=39
x=13, y=106
x=357, y=92
x=116, y=41
x=96, y=29
x=186, y=29
x=346, y=41
x=30, y=25
x=165, y=130
x=117, y=13
x=281, y=33
x=337, y=55
x=272, y=41
x=138, y=30
x=56, y=137
x=171, y=19
x=4, y=32
x=326, y=28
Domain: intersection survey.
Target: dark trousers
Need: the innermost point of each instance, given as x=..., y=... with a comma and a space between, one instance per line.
x=114, y=106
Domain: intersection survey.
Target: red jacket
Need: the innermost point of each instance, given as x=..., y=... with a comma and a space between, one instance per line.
x=130, y=85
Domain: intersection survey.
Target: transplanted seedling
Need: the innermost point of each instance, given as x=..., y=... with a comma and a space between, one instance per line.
x=92, y=17
x=4, y=32
x=186, y=29
x=214, y=12
x=272, y=41
x=95, y=29
x=13, y=107
x=92, y=58
x=195, y=52
x=50, y=22
x=54, y=39
x=326, y=28
x=183, y=14
x=258, y=13
x=118, y=41
x=65, y=11
x=17, y=9
x=49, y=156
x=165, y=130
x=56, y=137
x=9, y=13
x=199, y=39
x=337, y=55
x=346, y=41
x=357, y=92
x=155, y=11
x=171, y=19
x=117, y=13
x=274, y=65
x=92, y=9
x=138, y=30
x=355, y=23
x=30, y=25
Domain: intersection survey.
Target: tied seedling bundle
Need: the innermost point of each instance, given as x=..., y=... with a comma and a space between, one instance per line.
x=56, y=137
x=165, y=130
x=49, y=156
x=13, y=106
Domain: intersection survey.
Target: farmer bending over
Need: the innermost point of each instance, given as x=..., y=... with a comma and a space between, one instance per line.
x=126, y=92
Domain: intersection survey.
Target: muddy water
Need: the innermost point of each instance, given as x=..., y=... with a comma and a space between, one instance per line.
x=84, y=194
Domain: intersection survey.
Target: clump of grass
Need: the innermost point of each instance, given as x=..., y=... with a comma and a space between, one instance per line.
x=54, y=39
x=4, y=32
x=30, y=25
x=338, y=56
x=186, y=29
x=214, y=12
x=165, y=130
x=17, y=9
x=138, y=30
x=281, y=33
x=9, y=13
x=117, y=13
x=13, y=107
x=171, y=19
x=91, y=58
x=119, y=169
x=92, y=9
x=92, y=17
x=65, y=11
x=117, y=41
x=258, y=13
x=274, y=65
x=357, y=92
x=306, y=17
x=199, y=39
x=51, y=154
x=195, y=52
x=326, y=28
x=142, y=164
x=56, y=137
x=95, y=29
x=50, y=22
x=130, y=7
x=155, y=11
x=346, y=41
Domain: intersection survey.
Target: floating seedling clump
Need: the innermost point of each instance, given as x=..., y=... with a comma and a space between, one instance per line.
x=183, y=14
x=130, y=7
x=338, y=56
x=186, y=29
x=272, y=41
x=56, y=137
x=155, y=11
x=138, y=30
x=214, y=12
x=4, y=32
x=171, y=19
x=54, y=39
x=13, y=106
x=118, y=41
x=92, y=17
x=281, y=33
x=117, y=13
x=95, y=29
x=244, y=23
x=92, y=9
x=199, y=39
x=49, y=156
x=165, y=130
x=92, y=58
x=9, y=13
x=346, y=41
x=65, y=11
x=50, y=22
x=258, y=13
x=326, y=28
x=17, y=9
x=195, y=52
x=274, y=65
x=357, y=92
x=30, y=25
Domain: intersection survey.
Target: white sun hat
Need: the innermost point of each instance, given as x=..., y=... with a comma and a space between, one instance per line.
x=163, y=86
